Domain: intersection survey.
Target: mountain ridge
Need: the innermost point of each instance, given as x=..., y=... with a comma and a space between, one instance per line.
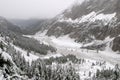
x=91, y=20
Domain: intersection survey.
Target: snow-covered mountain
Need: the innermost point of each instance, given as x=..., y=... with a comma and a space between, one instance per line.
x=81, y=43
x=89, y=21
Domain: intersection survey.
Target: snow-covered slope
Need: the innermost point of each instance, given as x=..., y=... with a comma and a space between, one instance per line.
x=10, y=57
x=6, y=62
x=91, y=17
x=91, y=20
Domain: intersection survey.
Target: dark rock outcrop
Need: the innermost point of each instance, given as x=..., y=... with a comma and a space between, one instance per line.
x=116, y=44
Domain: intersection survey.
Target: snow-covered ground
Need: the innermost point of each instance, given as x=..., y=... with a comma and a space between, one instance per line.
x=66, y=45
x=65, y=41
x=51, y=55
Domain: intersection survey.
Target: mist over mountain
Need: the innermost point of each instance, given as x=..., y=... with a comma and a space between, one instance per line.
x=7, y=26
x=22, y=23
x=30, y=26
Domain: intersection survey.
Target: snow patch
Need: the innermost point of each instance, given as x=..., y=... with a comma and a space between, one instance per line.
x=65, y=41
x=5, y=55
x=91, y=17
x=52, y=55
x=106, y=18
x=88, y=17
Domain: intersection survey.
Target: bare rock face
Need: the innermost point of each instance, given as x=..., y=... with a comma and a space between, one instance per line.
x=116, y=44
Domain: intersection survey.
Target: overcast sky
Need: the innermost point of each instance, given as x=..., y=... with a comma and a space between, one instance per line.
x=26, y=9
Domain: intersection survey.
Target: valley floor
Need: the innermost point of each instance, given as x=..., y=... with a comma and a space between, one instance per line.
x=66, y=46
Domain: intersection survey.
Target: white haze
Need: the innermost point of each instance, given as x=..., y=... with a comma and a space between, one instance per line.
x=24, y=9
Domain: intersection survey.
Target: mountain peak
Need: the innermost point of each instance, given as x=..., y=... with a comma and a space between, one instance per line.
x=87, y=6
